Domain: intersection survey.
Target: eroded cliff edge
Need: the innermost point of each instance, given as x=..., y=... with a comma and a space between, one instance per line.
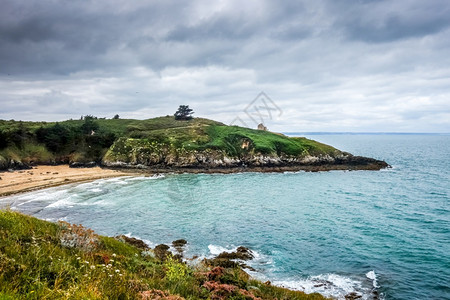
x=229, y=149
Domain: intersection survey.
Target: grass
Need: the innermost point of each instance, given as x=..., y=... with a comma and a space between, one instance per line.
x=130, y=140
x=265, y=142
x=44, y=260
x=30, y=152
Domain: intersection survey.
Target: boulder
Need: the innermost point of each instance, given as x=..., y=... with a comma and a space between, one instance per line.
x=77, y=164
x=3, y=163
x=179, y=245
x=133, y=241
x=161, y=251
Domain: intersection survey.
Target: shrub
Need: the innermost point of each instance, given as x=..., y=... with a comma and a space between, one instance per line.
x=76, y=236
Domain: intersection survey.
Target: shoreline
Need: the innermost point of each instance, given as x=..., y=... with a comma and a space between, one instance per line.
x=44, y=176
x=47, y=176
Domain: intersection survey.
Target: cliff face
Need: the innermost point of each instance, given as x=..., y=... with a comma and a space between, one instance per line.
x=144, y=153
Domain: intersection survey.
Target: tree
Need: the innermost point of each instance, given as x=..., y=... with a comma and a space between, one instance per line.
x=183, y=113
x=116, y=117
x=89, y=124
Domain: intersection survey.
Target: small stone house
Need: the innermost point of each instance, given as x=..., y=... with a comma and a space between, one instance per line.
x=262, y=127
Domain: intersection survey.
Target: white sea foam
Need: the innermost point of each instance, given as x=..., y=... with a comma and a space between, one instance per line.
x=216, y=250
x=332, y=285
x=371, y=275
x=147, y=242
x=329, y=285
x=62, y=203
x=156, y=176
x=259, y=262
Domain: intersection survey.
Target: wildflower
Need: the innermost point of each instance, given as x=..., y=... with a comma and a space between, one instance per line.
x=112, y=260
x=114, y=255
x=92, y=267
x=110, y=275
x=117, y=271
x=78, y=258
x=86, y=262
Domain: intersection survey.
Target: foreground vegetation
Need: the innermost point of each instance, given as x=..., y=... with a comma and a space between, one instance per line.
x=43, y=260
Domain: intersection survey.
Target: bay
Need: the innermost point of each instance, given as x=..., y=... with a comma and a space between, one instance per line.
x=377, y=233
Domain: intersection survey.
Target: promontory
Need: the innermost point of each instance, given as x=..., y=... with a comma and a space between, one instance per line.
x=164, y=144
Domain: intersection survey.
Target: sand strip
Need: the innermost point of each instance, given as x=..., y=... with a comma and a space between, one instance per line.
x=48, y=176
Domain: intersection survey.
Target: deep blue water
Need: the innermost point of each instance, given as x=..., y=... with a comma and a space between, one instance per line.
x=331, y=232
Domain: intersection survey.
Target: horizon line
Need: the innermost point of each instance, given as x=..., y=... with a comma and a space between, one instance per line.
x=363, y=132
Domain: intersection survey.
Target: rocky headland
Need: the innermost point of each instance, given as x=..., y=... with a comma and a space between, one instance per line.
x=168, y=145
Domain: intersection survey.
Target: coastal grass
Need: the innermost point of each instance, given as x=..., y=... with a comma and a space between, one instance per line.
x=29, y=152
x=44, y=260
x=265, y=142
x=97, y=139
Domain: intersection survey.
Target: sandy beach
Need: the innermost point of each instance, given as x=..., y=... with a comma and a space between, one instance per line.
x=40, y=177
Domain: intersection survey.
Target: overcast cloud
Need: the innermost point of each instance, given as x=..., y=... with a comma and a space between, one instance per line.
x=337, y=65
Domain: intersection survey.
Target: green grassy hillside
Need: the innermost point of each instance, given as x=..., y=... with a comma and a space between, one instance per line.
x=43, y=260
x=128, y=140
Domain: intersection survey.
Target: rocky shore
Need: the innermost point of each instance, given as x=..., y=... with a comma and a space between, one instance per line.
x=260, y=163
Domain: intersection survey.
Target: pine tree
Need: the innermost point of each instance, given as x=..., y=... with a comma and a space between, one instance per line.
x=183, y=113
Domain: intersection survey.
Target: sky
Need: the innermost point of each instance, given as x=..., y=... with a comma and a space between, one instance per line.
x=296, y=66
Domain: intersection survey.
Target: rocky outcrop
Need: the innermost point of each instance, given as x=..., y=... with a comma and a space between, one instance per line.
x=77, y=164
x=143, y=154
x=3, y=163
x=6, y=164
x=140, y=244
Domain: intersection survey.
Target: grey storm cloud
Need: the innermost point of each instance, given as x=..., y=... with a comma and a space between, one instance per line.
x=348, y=65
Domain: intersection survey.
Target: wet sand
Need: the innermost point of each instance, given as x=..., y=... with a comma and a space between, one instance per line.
x=40, y=177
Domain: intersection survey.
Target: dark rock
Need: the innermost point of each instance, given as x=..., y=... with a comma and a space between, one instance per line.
x=3, y=163
x=77, y=164
x=352, y=296
x=133, y=241
x=179, y=245
x=248, y=267
x=226, y=259
x=161, y=251
x=18, y=165
x=241, y=253
x=221, y=262
x=178, y=257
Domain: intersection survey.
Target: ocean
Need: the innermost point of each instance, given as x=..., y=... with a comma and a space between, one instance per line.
x=380, y=234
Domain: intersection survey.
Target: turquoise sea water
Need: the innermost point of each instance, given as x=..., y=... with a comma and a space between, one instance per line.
x=383, y=233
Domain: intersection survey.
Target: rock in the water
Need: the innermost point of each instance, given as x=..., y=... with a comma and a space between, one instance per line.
x=133, y=241
x=221, y=262
x=352, y=296
x=241, y=253
x=179, y=245
x=226, y=259
x=161, y=251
